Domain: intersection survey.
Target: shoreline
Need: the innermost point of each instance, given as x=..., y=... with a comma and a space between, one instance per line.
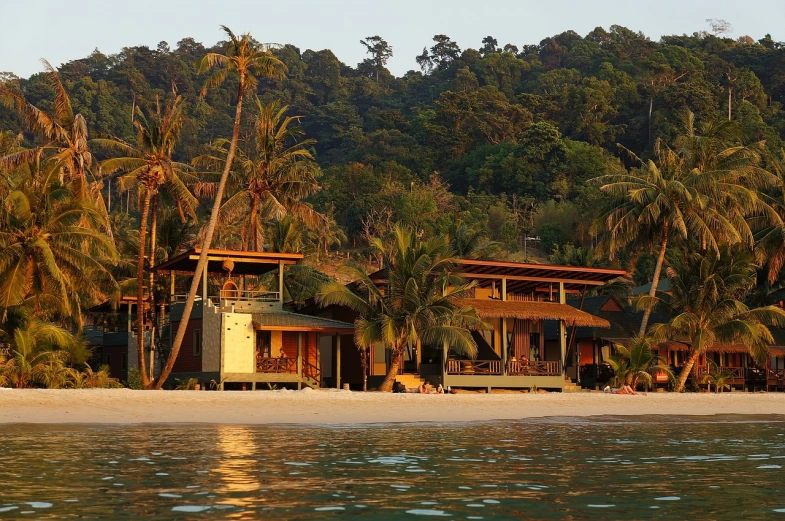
x=333, y=407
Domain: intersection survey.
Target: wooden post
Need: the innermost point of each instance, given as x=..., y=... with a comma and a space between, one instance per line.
x=445, y=353
x=563, y=331
x=504, y=345
x=299, y=359
x=338, y=361
x=171, y=289
x=280, y=281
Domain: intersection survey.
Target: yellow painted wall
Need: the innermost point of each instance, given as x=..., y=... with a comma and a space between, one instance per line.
x=276, y=343
x=239, y=353
x=482, y=292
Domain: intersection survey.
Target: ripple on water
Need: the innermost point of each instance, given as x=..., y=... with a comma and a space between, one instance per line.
x=667, y=498
x=190, y=508
x=426, y=512
x=328, y=509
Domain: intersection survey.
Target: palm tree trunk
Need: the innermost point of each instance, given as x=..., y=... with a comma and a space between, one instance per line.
x=208, y=237
x=395, y=366
x=686, y=370
x=654, y=282
x=253, y=223
x=151, y=282
x=140, y=289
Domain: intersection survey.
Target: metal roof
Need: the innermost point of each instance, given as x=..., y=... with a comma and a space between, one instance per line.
x=245, y=262
x=285, y=321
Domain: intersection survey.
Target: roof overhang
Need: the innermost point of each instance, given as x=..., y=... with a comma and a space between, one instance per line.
x=245, y=262
x=285, y=321
x=530, y=310
x=525, y=277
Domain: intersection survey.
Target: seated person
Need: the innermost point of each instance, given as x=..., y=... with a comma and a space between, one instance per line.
x=423, y=389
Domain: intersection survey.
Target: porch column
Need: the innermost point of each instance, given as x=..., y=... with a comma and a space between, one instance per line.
x=338, y=361
x=563, y=331
x=280, y=281
x=504, y=345
x=299, y=358
x=418, y=358
x=171, y=287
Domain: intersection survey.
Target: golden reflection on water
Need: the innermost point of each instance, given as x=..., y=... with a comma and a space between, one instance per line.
x=236, y=472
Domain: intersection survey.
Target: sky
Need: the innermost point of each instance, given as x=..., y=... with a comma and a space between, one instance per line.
x=62, y=31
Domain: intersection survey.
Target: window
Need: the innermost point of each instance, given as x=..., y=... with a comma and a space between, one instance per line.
x=264, y=344
x=197, y=342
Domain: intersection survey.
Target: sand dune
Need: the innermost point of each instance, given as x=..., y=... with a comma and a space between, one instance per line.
x=335, y=407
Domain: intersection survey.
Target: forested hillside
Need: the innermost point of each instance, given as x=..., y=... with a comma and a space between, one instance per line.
x=503, y=137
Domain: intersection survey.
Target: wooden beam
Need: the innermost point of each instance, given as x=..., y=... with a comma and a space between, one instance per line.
x=491, y=276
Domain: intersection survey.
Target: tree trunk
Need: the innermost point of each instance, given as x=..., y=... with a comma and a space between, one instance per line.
x=253, y=223
x=140, y=289
x=686, y=370
x=151, y=282
x=392, y=373
x=651, y=106
x=208, y=237
x=655, y=282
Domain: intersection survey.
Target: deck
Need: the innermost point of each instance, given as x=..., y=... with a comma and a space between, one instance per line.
x=487, y=374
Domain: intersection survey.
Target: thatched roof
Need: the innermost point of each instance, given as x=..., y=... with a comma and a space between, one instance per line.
x=488, y=308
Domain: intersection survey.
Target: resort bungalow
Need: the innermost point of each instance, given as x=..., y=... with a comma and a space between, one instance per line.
x=517, y=300
x=240, y=338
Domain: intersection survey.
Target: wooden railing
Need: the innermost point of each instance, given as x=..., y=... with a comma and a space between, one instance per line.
x=249, y=295
x=312, y=371
x=736, y=373
x=494, y=367
x=474, y=367
x=545, y=368
x=276, y=365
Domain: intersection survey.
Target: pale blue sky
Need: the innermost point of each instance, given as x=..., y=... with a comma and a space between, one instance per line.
x=61, y=31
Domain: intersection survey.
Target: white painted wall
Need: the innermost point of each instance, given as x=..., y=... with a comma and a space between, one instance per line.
x=239, y=353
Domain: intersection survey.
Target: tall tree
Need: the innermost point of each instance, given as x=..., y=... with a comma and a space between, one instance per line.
x=380, y=52
x=247, y=58
x=415, y=304
x=702, y=191
x=273, y=180
x=149, y=164
x=707, y=294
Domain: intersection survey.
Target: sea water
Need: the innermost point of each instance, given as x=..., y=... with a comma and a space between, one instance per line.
x=615, y=468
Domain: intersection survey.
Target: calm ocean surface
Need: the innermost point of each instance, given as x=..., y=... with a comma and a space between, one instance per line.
x=632, y=468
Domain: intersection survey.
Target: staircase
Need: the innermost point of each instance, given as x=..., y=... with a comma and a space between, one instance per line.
x=410, y=380
x=571, y=387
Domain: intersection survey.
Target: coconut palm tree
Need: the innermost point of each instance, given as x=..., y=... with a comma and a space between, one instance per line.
x=272, y=181
x=247, y=58
x=770, y=247
x=707, y=301
x=63, y=135
x=415, y=304
x=36, y=356
x=702, y=189
x=717, y=377
x=50, y=261
x=149, y=164
x=637, y=364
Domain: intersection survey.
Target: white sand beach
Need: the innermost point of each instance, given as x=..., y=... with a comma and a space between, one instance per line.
x=337, y=407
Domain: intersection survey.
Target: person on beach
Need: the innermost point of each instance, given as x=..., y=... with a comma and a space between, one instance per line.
x=422, y=389
x=624, y=389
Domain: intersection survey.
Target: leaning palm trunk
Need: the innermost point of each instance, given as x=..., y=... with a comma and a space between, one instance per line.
x=395, y=366
x=208, y=237
x=654, y=283
x=686, y=370
x=151, y=281
x=140, y=289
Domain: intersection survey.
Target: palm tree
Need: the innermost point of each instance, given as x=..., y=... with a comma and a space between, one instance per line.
x=637, y=364
x=63, y=134
x=150, y=165
x=701, y=190
x=770, y=248
x=706, y=298
x=717, y=377
x=416, y=303
x=36, y=355
x=247, y=58
x=50, y=261
x=273, y=181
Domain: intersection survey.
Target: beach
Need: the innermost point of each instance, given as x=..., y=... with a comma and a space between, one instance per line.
x=346, y=407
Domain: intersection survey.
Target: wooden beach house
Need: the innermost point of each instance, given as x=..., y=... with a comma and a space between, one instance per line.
x=517, y=300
